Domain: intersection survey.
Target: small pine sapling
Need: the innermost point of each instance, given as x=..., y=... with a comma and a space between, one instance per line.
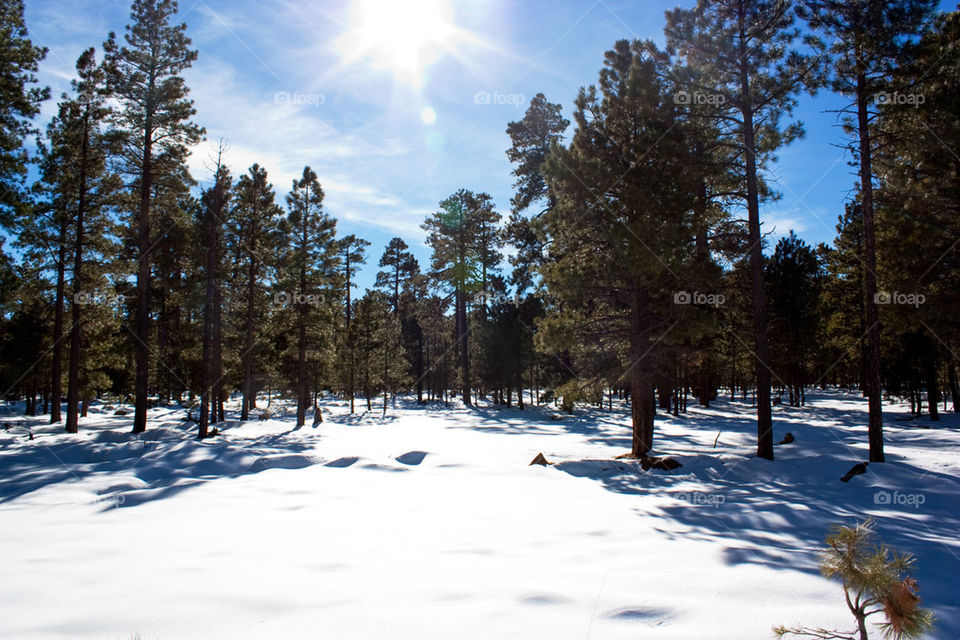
x=875, y=581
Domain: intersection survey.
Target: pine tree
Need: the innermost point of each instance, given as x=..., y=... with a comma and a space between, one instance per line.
x=352, y=255
x=215, y=203
x=741, y=52
x=43, y=238
x=400, y=279
x=19, y=103
x=867, y=38
x=621, y=231
x=465, y=252
x=438, y=345
x=875, y=581
x=251, y=239
x=310, y=272
x=77, y=181
x=793, y=275
x=531, y=138
x=916, y=215
x=399, y=267
x=153, y=120
x=844, y=316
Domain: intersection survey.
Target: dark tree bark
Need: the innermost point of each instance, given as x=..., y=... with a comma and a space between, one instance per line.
x=249, y=340
x=931, y=373
x=757, y=289
x=302, y=395
x=207, y=396
x=73, y=377
x=872, y=363
x=56, y=369
x=141, y=387
x=643, y=406
x=463, y=343
x=954, y=387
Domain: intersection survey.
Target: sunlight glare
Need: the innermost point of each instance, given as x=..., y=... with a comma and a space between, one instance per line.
x=401, y=37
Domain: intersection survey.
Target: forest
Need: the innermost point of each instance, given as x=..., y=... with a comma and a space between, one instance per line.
x=631, y=269
x=631, y=259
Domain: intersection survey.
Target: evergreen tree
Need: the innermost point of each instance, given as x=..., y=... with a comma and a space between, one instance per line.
x=621, y=231
x=352, y=255
x=399, y=267
x=153, y=119
x=867, y=39
x=916, y=211
x=19, y=103
x=793, y=281
x=81, y=189
x=531, y=138
x=215, y=203
x=843, y=314
x=310, y=265
x=251, y=239
x=465, y=246
x=374, y=329
x=875, y=581
x=400, y=279
x=741, y=50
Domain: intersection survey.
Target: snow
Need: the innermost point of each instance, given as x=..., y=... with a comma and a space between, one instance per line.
x=429, y=523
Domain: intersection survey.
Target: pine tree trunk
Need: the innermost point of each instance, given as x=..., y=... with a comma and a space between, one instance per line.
x=419, y=359
x=872, y=364
x=665, y=394
x=218, y=393
x=163, y=332
x=461, y=306
x=73, y=376
x=351, y=356
x=301, y=368
x=207, y=405
x=757, y=290
x=302, y=330
x=249, y=341
x=643, y=403
x=386, y=365
x=954, y=387
x=933, y=382
x=56, y=369
x=141, y=387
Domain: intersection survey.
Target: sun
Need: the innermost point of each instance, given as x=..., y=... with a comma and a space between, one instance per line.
x=403, y=37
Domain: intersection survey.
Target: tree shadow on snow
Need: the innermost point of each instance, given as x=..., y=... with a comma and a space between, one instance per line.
x=777, y=513
x=119, y=469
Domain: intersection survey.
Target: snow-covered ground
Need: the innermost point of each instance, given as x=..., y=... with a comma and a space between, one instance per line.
x=430, y=524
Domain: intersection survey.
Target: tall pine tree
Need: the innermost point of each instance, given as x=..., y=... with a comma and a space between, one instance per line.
x=153, y=119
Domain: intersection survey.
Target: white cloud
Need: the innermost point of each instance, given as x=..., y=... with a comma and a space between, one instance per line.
x=283, y=137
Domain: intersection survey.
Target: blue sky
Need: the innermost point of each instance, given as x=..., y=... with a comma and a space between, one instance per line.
x=391, y=107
